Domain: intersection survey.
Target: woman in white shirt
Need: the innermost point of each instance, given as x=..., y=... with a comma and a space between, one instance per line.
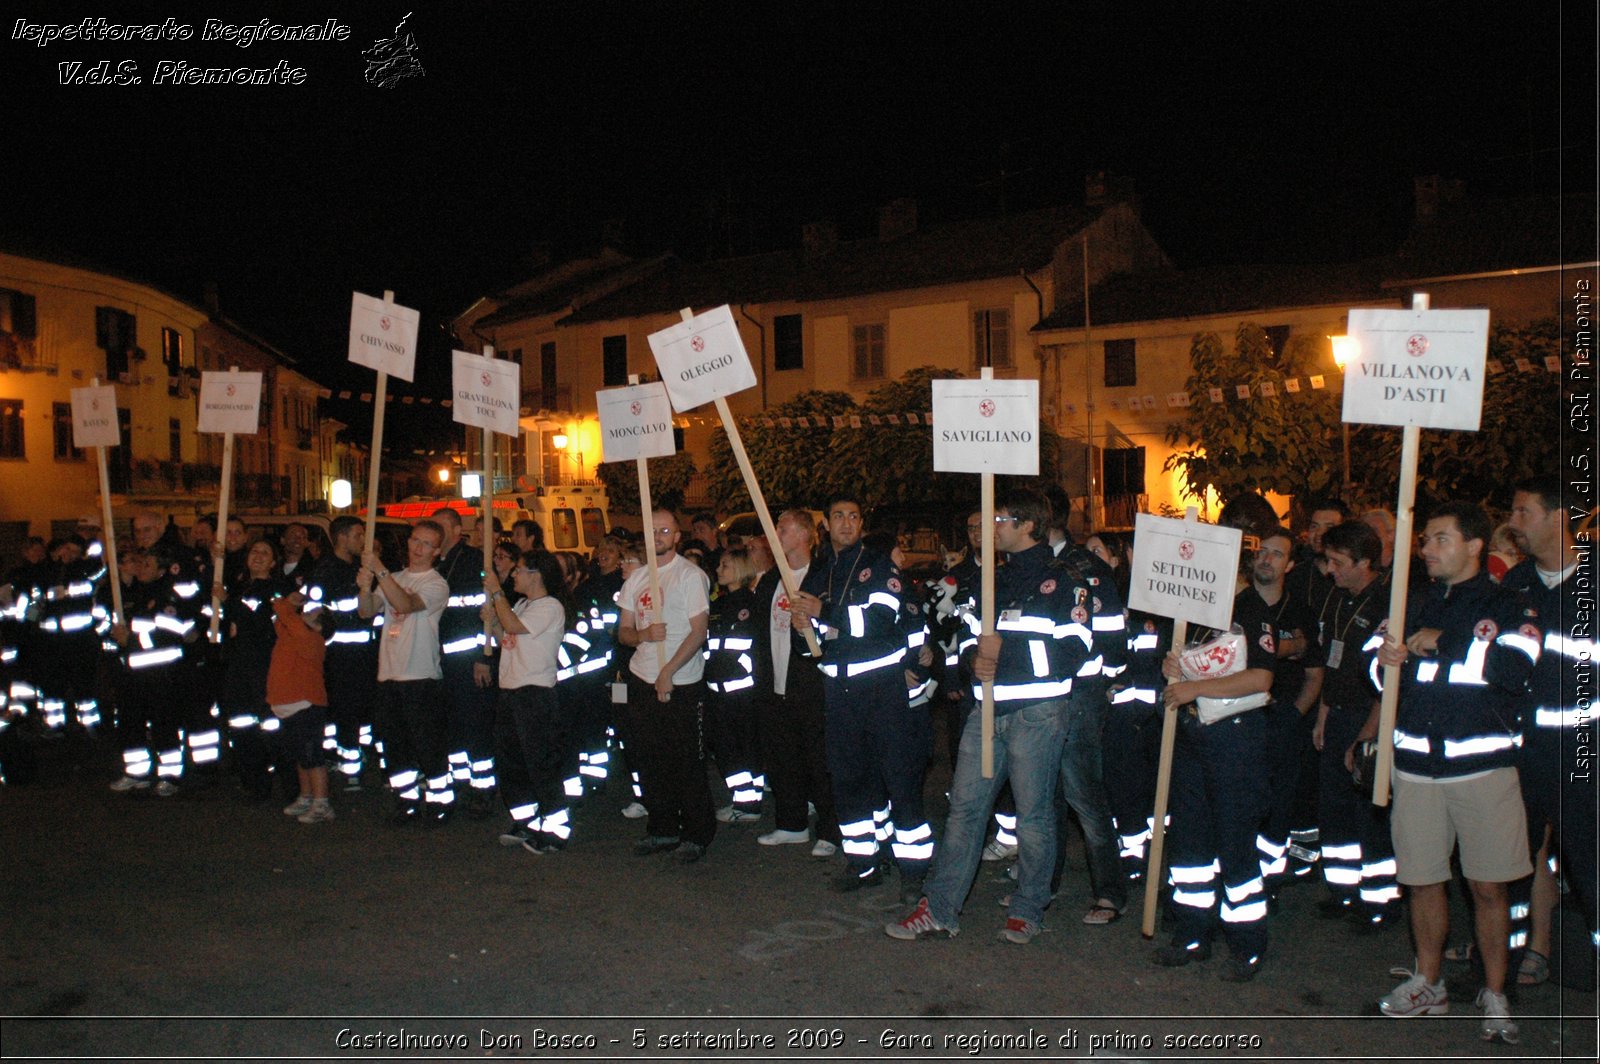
x=529, y=737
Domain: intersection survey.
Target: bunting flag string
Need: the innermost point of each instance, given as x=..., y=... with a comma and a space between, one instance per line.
x=1268, y=389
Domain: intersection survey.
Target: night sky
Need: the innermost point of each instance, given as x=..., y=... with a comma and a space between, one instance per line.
x=1264, y=132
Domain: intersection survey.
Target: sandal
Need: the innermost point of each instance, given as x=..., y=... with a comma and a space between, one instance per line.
x=1461, y=954
x=1534, y=969
x=1101, y=913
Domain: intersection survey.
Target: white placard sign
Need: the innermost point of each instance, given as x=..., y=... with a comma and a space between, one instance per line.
x=94, y=417
x=986, y=426
x=1184, y=570
x=383, y=338
x=702, y=359
x=230, y=402
x=1416, y=367
x=486, y=392
x=635, y=422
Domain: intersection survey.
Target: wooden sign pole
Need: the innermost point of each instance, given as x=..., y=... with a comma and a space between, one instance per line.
x=1410, y=444
x=791, y=586
x=649, y=514
x=986, y=489
x=486, y=511
x=108, y=531
x=380, y=400
x=1158, y=823
x=219, y=544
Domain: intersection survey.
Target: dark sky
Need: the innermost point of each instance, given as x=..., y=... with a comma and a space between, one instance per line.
x=1254, y=132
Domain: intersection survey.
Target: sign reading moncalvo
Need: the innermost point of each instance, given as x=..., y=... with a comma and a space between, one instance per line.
x=1416, y=367
x=230, y=402
x=1184, y=570
x=485, y=392
x=94, y=417
x=986, y=426
x=635, y=422
x=702, y=359
x=383, y=337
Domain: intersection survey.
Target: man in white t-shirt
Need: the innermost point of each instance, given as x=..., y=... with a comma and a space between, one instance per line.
x=665, y=694
x=410, y=703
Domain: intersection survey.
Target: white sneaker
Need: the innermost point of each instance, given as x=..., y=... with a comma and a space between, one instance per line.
x=299, y=807
x=319, y=812
x=635, y=811
x=1416, y=997
x=779, y=837
x=1497, y=1024
x=999, y=851
x=824, y=848
x=166, y=789
x=130, y=783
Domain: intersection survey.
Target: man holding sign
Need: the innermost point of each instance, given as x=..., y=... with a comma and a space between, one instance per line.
x=1470, y=648
x=1041, y=640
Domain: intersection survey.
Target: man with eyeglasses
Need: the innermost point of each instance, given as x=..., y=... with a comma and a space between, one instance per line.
x=1041, y=639
x=665, y=695
x=877, y=743
x=411, y=720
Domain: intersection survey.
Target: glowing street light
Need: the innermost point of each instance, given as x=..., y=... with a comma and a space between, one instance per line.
x=339, y=494
x=559, y=441
x=1345, y=351
x=471, y=485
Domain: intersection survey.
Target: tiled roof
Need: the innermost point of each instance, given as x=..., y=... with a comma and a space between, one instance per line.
x=561, y=288
x=1159, y=295
x=951, y=253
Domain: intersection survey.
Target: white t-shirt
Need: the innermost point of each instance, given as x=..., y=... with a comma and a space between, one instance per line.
x=530, y=658
x=684, y=587
x=782, y=622
x=408, y=644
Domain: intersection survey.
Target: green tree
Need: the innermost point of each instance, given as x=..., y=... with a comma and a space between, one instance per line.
x=669, y=479
x=794, y=466
x=1237, y=446
x=1519, y=434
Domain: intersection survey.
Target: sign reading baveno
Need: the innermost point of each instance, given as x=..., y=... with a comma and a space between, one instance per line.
x=702, y=359
x=635, y=422
x=986, y=426
x=383, y=338
x=1184, y=570
x=230, y=402
x=1416, y=367
x=487, y=392
x=94, y=417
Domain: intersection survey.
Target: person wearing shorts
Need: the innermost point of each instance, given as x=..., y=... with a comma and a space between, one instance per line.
x=1469, y=648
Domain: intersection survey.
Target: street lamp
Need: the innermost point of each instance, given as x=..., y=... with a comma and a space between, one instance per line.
x=339, y=494
x=1345, y=350
x=471, y=485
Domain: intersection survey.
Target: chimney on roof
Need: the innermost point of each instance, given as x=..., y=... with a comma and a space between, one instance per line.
x=896, y=219
x=1102, y=189
x=213, y=302
x=819, y=238
x=1433, y=193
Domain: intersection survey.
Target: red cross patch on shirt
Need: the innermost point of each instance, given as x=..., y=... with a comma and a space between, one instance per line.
x=1486, y=630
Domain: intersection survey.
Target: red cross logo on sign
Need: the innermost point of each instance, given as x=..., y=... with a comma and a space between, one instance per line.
x=229, y=390
x=698, y=344
x=484, y=377
x=1186, y=550
x=635, y=407
x=986, y=408
x=383, y=323
x=94, y=404
x=1417, y=345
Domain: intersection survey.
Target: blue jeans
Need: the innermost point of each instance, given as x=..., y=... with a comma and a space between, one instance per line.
x=1027, y=749
x=1083, y=789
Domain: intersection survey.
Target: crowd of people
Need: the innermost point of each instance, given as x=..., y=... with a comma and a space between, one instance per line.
x=523, y=685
